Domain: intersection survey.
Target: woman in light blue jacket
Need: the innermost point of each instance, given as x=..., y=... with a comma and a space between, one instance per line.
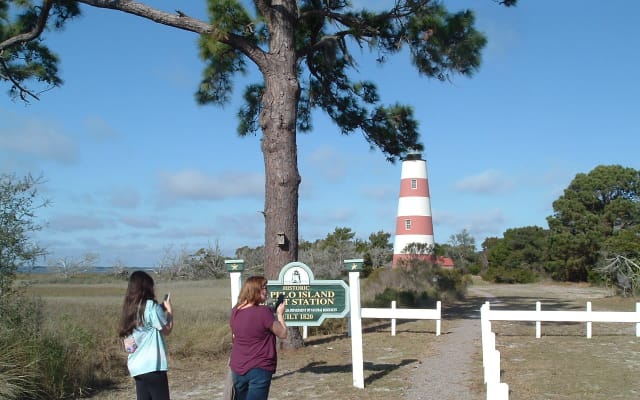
x=143, y=325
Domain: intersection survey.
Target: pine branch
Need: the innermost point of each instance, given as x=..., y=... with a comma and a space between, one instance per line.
x=34, y=33
x=24, y=92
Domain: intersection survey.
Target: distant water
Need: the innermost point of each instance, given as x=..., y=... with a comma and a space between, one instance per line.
x=43, y=269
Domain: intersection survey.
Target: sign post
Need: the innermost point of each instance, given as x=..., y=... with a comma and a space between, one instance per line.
x=235, y=268
x=357, y=360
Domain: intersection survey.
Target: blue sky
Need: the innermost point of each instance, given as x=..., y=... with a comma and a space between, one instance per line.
x=133, y=166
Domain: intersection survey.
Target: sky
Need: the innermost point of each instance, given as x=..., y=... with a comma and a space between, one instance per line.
x=136, y=170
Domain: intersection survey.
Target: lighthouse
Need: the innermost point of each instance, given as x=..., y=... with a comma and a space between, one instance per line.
x=413, y=222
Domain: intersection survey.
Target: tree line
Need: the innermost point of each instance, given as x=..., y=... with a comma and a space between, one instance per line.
x=593, y=235
x=594, y=221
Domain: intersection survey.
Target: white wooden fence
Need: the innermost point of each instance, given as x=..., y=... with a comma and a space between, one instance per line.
x=497, y=390
x=394, y=313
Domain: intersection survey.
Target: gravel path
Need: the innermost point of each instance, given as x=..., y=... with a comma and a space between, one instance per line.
x=450, y=374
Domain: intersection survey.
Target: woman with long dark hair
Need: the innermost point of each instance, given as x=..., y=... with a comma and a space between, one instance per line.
x=143, y=326
x=254, y=329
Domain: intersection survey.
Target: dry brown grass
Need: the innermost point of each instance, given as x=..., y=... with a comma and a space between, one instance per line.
x=563, y=364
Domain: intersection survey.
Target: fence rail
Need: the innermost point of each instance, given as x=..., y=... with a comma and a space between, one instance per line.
x=394, y=313
x=497, y=390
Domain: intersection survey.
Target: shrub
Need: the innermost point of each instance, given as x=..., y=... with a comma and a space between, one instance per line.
x=510, y=275
x=474, y=269
x=18, y=371
x=40, y=361
x=417, y=285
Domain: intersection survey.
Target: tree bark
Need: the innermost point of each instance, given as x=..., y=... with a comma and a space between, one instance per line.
x=279, y=146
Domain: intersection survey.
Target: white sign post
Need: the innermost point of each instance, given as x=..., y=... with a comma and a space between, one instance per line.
x=235, y=268
x=357, y=360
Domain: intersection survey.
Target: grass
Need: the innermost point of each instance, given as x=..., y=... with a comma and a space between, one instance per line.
x=563, y=364
x=199, y=306
x=200, y=342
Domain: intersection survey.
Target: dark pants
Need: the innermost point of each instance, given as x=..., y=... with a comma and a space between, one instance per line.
x=254, y=385
x=152, y=386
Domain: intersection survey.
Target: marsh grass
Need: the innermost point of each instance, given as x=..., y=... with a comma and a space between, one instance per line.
x=17, y=371
x=77, y=345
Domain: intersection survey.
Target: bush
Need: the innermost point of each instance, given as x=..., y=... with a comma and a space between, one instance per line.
x=330, y=326
x=417, y=285
x=474, y=269
x=510, y=275
x=403, y=298
x=18, y=371
x=41, y=362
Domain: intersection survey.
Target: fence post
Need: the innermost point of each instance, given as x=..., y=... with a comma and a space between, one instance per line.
x=638, y=324
x=589, y=320
x=439, y=320
x=538, y=326
x=393, y=320
x=356, y=330
x=488, y=340
x=497, y=391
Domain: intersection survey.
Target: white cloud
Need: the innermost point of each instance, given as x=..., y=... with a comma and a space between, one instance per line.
x=329, y=163
x=68, y=223
x=487, y=182
x=99, y=128
x=124, y=198
x=380, y=192
x=195, y=185
x=480, y=224
x=141, y=222
x=39, y=139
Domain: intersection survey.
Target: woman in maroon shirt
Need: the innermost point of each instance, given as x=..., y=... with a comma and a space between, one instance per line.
x=254, y=328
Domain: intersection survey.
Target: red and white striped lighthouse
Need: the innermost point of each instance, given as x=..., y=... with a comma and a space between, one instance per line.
x=413, y=221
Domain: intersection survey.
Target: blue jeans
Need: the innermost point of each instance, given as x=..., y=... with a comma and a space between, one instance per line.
x=152, y=386
x=254, y=385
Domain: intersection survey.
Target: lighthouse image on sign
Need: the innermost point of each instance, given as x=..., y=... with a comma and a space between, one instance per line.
x=413, y=221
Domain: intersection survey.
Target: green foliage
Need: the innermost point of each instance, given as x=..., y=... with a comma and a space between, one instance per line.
x=18, y=371
x=440, y=44
x=599, y=213
x=462, y=249
x=403, y=298
x=510, y=275
x=326, y=256
x=378, y=251
x=417, y=283
x=23, y=60
x=451, y=282
x=253, y=258
x=37, y=362
x=474, y=269
x=520, y=256
x=18, y=202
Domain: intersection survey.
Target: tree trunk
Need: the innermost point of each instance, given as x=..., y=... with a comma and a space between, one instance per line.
x=279, y=146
